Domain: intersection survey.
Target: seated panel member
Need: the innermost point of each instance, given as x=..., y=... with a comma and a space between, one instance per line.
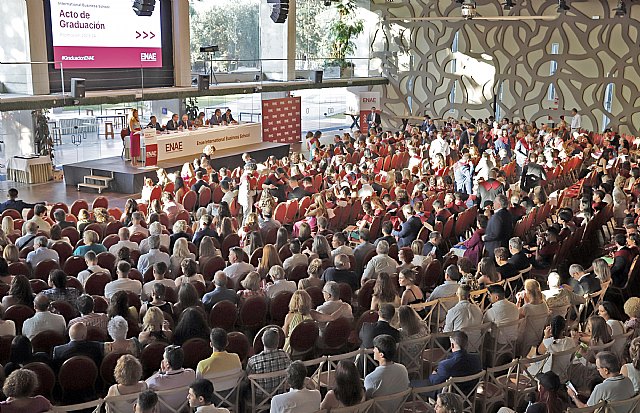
x=228, y=119
x=173, y=122
x=216, y=118
x=153, y=123
x=185, y=123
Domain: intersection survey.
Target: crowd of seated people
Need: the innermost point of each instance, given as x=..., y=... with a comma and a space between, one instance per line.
x=485, y=240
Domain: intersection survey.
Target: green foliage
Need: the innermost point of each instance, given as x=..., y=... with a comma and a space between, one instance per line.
x=233, y=26
x=311, y=35
x=343, y=30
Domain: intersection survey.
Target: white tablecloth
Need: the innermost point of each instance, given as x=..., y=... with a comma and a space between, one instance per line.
x=31, y=170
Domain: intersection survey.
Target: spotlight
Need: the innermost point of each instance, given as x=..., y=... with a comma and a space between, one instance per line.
x=508, y=5
x=562, y=6
x=621, y=9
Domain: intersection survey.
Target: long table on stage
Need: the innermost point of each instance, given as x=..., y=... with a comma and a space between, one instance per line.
x=129, y=180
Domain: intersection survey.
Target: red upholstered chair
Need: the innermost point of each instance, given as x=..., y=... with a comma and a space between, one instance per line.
x=156, y=193
x=11, y=213
x=134, y=300
x=112, y=228
x=77, y=206
x=135, y=275
x=97, y=334
x=303, y=338
x=24, y=252
x=46, y=378
x=317, y=298
x=43, y=269
x=368, y=316
x=170, y=187
x=116, y=213
x=279, y=307
x=74, y=265
x=189, y=200
x=137, y=237
x=100, y=304
x=257, y=341
x=46, y=340
x=96, y=282
x=4, y=290
x=56, y=206
x=5, y=348
x=336, y=335
x=110, y=240
x=224, y=315
x=64, y=250
x=100, y=202
x=204, y=196
x=271, y=236
x=365, y=295
x=107, y=367
x=239, y=344
x=77, y=378
x=107, y=260
x=255, y=256
x=65, y=309
x=18, y=313
x=297, y=273
x=71, y=233
x=171, y=295
x=19, y=268
x=284, y=252
x=231, y=240
x=151, y=357
x=98, y=228
x=38, y=285
x=210, y=266
x=195, y=349
x=346, y=293
x=184, y=215
x=253, y=313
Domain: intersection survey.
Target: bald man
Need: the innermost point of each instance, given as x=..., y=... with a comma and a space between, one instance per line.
x=43, y=319
x=78, y=346
x=220, y=293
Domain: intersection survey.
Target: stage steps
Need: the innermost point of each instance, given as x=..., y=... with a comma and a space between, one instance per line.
x=98, y=182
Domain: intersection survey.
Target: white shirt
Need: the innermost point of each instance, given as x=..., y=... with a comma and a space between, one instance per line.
x=464, y=314
x=380, y=263
x=138, y=228
x=83, y=276
x=165, y=241
x=238, y=269
x=296, y=401
x=148, y=287
x=342, y=249
x=576, y=122
x=147, y=260
x=295, y=260
x=439, y=145
x=501, y=312
x=41, y=321
x=122, y=284
x=121, y=244
x=280, y=285
x=41, y=254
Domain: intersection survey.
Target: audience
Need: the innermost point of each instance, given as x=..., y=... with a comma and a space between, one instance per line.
x=18, y=388
x=389, y=377
x=171, y=375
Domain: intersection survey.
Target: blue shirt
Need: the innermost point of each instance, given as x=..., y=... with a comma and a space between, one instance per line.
x=83, y=249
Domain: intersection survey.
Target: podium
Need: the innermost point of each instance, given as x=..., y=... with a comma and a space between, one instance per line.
x=149, y=147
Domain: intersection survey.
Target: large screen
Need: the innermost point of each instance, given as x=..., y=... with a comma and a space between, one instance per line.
x=99, y=34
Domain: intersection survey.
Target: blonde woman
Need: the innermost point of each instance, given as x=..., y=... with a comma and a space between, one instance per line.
x=251, y=224
x=299, y=310
x=252, y=287
x=180, y=229
x=314, y=271
x=91, y=241
x=602, y=270
x=83, y=220
x=632, y=370
x=127, y=373
x=11, y=254
x=134, y=137
x=8, y=225
x=154, y=327
x=533, y=307
x=180, y=252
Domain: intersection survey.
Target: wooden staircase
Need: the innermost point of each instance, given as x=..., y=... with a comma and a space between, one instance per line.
x=94, y=181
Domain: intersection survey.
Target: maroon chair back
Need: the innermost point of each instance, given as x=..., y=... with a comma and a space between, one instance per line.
x=253, y=313
x=210, y=266
x=137, y=237
x=107, y=260
x=255, y=256
x=224, y=315
x=71, y=233
x=64, y=250
x=38, y=285
x=65, y=309
x=279, y=307
x=112, y=228
x=77, y=376
x=97, y=334
x=317, y=298
x=151, y=357
x=11, y=213
x=74, y=265
x=24, y=252
x=18, y=313
x=43, y=269
x=96, y=282
x=303, y=337
x=100, y=202
x=107, y=367
x=46, y=340
x=5, y=348
x=46, y=378
x=336, y=333
x=238, y=344
x=346, y=293
x=19, y=268
x=365, y=294
x=100, y=303
x=231, y=240
x=195, y=349
x=77, y=206
x=297, y=273
x=74, y=283
x=189, y=200
x=110, y=240
x=98, y=228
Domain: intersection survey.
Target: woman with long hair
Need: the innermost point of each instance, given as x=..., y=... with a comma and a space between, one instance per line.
x=130, y=206
x=632, y=369
x=405, y=257
x=411, y=327
x=554, y=341
x=320, y=248
x=384, y=292
x=348, y=389
x=119, y=306
x=282, y=238
x=180, y=253
x=11, y=254
x=134, y=137
x=253, y=242
x=154, y=327
x=532, y=307
x=192, y=324
x=179, y=188
x=412, y=294
x=601, y=269
x=596, y=333
x=299, y=310
x=187, y=297
x=316, y=209
x=251, y=224
x=252, y=287
x=20, y=292
x=487, y=272
x=270, y=258
x=226, y=228
x=190, y=273
x=314, y=270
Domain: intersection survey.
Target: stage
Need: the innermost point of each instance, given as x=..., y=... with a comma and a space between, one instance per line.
x=129, y=180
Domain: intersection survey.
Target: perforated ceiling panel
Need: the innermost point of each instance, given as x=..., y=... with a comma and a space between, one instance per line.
x=596, y=62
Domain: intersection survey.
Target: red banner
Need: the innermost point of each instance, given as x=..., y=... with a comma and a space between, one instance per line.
x=281, y=120
x=151, y=158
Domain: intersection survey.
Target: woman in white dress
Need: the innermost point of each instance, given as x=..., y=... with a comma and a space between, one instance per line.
x=533, y=308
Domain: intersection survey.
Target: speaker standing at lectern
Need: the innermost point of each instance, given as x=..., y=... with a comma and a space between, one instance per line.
x=373, y=119
x=134, y=137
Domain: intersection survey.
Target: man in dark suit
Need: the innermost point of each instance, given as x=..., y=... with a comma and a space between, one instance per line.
x=153, y=123
x=216, y=118
x=582, y=282
x=519, y=257
x=467, y=135
x=622, y=259
x=78, y=346
x=373, y=119
x=185, y=123
x=341, y=272
x=14, y=203
x=220, y=293
x=409, y=229
x=200, y=182
x=459, y=363
x=362, y=250
x=227, y=118
x=434, y=246
x=369, y=331
x=499, y=227
x=173, y=122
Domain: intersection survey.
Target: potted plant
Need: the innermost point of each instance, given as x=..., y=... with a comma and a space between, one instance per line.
x=342, y=31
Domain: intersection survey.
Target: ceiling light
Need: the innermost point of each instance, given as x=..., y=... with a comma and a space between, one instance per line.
x=562, y=6
x=621, y=9
x=508, y=5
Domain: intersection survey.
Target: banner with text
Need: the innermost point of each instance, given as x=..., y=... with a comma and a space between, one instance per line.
x=102, y=34
x=368, y=101
x=282, y=120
